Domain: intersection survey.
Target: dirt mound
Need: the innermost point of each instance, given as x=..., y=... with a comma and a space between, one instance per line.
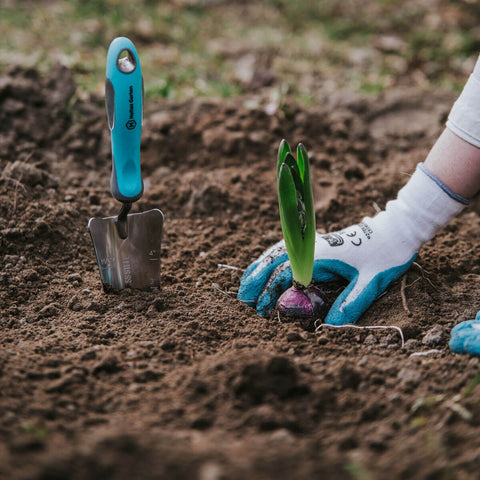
x=190, y=383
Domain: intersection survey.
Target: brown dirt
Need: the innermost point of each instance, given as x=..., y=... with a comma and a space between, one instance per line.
x=190, y=383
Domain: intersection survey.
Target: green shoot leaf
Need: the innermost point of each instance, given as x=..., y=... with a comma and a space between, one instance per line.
x=297, y=215
x=302, y=159
x=290, y=161
x=283, y=149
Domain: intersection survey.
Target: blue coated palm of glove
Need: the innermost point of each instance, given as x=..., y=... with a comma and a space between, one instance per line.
x=465, y=337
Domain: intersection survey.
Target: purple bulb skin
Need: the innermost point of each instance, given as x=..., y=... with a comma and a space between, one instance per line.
x=303, y=304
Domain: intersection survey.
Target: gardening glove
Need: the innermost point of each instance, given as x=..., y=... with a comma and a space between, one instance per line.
x=369, y=255
x=465, y=337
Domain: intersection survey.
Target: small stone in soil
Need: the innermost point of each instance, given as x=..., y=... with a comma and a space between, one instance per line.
x=409, y=378
x=434, y=336
x=411, y=344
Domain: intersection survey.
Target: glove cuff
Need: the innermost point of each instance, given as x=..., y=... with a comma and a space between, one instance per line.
x=422, y=207
x=448, y=191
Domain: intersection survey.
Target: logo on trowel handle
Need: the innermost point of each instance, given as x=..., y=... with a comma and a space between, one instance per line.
x=131, y=123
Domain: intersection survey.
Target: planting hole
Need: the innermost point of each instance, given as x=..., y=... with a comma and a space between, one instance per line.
x=126, y=61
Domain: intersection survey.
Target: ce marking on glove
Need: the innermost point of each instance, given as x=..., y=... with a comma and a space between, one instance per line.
x=354, y=234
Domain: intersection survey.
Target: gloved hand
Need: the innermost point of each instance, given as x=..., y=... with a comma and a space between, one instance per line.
x=369, y=255
x=465, y=337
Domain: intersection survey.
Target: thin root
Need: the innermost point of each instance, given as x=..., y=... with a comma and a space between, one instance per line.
x=17, y=183
x=421, y=268
x=424, y=274
x=230, y=267
x=413, y=283
x=404, y=297
x=218, y=289
x=428, y=352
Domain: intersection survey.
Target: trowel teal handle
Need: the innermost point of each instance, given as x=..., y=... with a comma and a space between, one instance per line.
x=124, y=101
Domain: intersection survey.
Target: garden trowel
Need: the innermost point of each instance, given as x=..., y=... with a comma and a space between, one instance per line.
x=128, y=245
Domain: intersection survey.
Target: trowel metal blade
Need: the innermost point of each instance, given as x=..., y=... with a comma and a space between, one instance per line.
x=131, y=262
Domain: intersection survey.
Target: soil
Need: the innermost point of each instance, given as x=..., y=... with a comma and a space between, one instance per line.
x=189, y=383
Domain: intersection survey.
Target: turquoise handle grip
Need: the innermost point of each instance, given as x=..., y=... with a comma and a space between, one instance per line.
x=124, y=102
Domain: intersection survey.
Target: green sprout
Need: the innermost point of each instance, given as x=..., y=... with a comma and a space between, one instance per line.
x=297, y=215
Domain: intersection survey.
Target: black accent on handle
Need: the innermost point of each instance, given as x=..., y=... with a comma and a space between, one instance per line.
x=110, y=102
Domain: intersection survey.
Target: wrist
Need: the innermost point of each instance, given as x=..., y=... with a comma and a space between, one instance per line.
x=447, y=190
x=422, y=207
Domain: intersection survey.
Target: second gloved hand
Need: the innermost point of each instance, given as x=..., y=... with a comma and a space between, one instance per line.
x=369, y=255
x=465, y=337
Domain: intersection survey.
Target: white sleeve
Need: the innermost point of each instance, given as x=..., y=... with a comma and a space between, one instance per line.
x=464, y=118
